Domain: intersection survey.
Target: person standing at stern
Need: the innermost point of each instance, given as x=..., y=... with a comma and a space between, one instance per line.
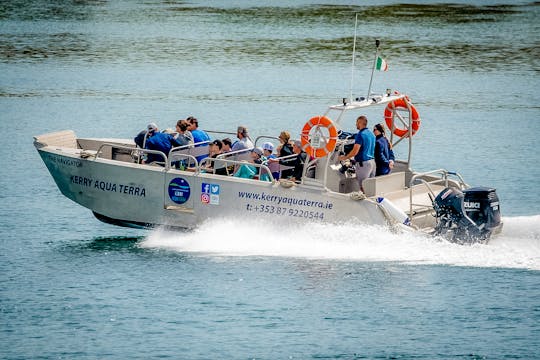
x=363, y=152
x=384, y=155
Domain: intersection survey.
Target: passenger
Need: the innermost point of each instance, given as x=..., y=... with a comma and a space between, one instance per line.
x=248, y=171
x=158, y=141
x=272, y=164
x=183, y=135
x=285, y=149
x=363, y=152
x=198, y=135
x=227, y=144
x=216, y=166
x=299, y=161
x=384, y=156
x=139, y=139
x=244, y=141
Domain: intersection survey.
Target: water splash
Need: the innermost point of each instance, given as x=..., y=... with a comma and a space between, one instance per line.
x=518, y=246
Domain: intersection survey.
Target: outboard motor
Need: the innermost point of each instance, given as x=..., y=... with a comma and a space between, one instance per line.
x=467, y=216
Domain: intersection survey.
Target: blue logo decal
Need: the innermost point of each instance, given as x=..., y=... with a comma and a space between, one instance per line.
x=179, y=190
x=210, y=189
x=210, y=194
x=205, y=188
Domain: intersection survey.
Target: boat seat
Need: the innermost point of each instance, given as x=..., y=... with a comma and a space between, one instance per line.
x=384, y=184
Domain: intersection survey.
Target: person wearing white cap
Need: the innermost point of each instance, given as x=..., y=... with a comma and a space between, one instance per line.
x=158, y=141
x=268, y=149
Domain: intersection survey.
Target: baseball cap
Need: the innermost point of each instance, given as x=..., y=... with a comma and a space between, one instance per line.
x=152, y=127
x=257, y=150
x=268, y=146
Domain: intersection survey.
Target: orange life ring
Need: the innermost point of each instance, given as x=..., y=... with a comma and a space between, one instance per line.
x=402, y=104
x=319, y=152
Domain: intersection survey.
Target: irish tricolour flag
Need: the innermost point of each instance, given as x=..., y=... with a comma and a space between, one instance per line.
x=381, y=64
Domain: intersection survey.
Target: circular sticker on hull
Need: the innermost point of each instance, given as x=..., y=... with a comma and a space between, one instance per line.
x=179, y=190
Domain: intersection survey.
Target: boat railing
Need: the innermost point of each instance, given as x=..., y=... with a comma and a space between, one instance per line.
x=195, y=150
x=268, y=137
x=229, y=133
x=242, y=154
x=429, y=179
x=99, y=151
x=210, y=164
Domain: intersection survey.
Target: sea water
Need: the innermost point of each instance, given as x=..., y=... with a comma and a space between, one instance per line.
x=72, y=287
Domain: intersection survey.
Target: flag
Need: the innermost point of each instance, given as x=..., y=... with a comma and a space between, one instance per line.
x=381, y=64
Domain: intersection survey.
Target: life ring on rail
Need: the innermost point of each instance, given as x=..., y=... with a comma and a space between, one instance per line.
x=389, y=116
x=322, y=151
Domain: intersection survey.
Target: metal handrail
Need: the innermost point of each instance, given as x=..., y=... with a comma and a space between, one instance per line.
x=264, y=137
x=132, y=149
x=192, y=160
x=230, y=153
x=235, y=162
x=418, y=179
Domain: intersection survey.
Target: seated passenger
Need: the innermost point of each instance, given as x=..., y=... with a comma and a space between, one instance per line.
x=193, y=127
x=244, y=141
x=272, y=164
x=217, y=166
x=299, y=161
x=140, y=139
x=198, y=135
x=248, y=171
x=183, y=135
x=285, y=149
x=158, y=141
x=227, y=144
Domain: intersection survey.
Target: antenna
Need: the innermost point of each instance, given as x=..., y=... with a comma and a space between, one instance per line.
x=377, y=43
x=353, y=56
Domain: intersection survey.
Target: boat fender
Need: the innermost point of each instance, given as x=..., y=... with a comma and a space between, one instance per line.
x=402, y=103
x=398, y=214
x=313, y=146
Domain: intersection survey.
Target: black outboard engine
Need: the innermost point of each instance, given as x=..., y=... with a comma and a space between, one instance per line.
x=467, y=216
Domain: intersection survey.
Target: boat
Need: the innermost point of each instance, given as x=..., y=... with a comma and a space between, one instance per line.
x=107, y=176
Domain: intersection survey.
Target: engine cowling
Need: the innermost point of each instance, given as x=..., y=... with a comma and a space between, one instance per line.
x=467, y=216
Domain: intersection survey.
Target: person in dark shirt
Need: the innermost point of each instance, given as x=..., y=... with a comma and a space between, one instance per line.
x=299, y=161
x=384, y=156
x=285, y=149
x=216, y=166
x=140, y=139
x=158, y=141
x=227, y=145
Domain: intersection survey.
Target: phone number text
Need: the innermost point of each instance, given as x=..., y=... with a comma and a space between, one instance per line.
x=285, y=211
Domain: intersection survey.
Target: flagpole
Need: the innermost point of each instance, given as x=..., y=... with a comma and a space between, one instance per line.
x=377, y=43
x=353, y=56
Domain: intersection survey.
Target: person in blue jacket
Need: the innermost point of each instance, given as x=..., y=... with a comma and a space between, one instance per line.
x=159, y=141
x=384, y=156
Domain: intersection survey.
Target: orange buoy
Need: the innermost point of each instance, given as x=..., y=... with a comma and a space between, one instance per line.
x=389, y=117
x=319, y=121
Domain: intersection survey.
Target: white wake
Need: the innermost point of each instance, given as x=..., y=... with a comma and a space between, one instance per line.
x=518, y=246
